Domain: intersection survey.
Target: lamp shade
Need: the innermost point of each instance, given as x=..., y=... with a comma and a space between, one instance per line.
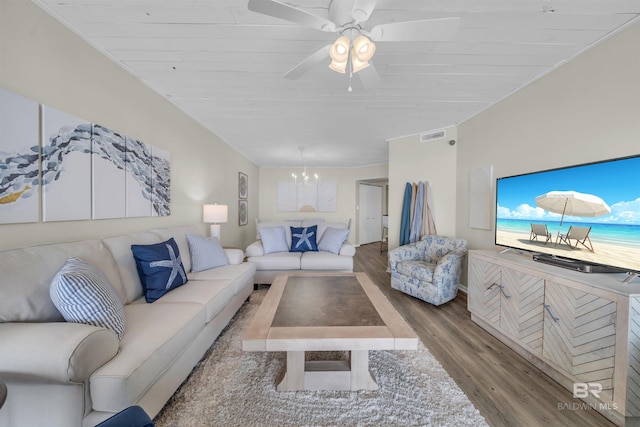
x=215, y=213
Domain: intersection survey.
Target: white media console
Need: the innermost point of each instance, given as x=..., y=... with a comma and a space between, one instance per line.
x=583, y=330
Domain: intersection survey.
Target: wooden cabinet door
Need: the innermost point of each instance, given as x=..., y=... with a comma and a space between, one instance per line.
x=522, y=301
x=580, y=335
x=484, y=290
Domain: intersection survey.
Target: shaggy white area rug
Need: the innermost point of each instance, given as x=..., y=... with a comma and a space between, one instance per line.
x=230, y=387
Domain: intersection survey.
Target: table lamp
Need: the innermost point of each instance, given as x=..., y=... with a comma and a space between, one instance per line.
x=215, y=214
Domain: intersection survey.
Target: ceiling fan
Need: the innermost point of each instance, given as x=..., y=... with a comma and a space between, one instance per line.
x=356, y=42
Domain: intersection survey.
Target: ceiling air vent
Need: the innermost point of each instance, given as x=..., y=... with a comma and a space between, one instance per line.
x=424, y=137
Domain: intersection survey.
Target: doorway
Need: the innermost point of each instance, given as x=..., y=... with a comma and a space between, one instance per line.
x=369, y=213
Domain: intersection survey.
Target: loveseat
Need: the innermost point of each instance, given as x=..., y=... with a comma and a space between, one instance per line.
x=277, y=249
x=60, y=373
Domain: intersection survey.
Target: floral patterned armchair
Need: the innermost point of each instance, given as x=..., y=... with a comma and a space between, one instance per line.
x=428, y=269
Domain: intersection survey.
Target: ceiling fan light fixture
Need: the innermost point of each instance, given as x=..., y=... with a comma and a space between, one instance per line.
x=339, y=67
x=363, y=48
x=357, y=65
x=339, y=51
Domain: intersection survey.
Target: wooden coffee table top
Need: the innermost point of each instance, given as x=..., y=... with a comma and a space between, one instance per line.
x=326, y=311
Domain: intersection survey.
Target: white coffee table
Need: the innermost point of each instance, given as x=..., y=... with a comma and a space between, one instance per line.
x=327, y=312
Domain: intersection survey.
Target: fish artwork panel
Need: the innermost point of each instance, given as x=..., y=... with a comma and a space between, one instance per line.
x=108, y=155
x=66, y=166
x=138, y=179
x=19, y=159
x=161, y=182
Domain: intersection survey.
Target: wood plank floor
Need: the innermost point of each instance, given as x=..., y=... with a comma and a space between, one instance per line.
x=506, y=388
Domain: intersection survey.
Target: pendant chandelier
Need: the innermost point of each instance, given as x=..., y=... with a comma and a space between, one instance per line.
x=305, y=178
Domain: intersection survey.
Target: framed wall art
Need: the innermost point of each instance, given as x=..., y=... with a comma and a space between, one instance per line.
x=243, y=186
x=243, y=212
x=66, y=166
x=20, y=166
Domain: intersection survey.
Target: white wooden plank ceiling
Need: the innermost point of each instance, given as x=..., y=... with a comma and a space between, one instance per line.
x=223, y=64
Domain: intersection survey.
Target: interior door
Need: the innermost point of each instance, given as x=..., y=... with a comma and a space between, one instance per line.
x=370, y=214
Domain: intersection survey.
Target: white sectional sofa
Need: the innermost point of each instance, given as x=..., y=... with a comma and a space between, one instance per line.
x=270, y=264
x=71, y=374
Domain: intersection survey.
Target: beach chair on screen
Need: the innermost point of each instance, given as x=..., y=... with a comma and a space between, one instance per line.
x=539, y=230
x=580, y=235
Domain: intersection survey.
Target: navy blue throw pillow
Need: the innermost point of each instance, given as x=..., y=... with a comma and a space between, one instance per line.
x=303, y=239
x=159, y=267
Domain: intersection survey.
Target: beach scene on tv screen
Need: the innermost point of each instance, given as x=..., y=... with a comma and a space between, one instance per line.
x=589, y=212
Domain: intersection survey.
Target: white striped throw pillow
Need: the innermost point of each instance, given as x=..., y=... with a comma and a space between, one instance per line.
x=206, y=253
x=83, y=294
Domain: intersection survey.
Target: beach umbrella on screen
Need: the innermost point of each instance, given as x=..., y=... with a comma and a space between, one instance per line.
x=572, y=203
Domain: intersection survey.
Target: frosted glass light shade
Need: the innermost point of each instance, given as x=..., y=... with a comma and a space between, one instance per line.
x=339, y=53
x=339, y=67
x=362, y=52
x=363, y=48
x=357, y=65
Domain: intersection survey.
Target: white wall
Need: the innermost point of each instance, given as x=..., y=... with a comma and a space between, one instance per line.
x=42, y=60
x=435, y=161
x=586, y=110
x=346, y=178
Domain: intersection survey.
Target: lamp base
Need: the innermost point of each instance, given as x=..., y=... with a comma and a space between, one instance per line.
x=215, y=230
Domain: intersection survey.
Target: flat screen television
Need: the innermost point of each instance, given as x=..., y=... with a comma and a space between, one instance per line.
x=584, y=217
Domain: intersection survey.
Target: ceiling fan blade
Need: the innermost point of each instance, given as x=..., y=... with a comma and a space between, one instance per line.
x=310, y=62
x=362, y=9
x=289, y=13
x=427, y=30
x=369, y=77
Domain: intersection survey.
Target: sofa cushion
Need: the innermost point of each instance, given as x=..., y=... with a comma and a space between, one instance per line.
x=418, y=269
x=26, y=274
x=159, y=267
x=213, y=294
x=311, y=221
x=206, y=253
x=82, y=294
x=120, y=248
x=303, y=239
x=332, y=239
x=277, y=261
x=156, y=335
x=273, y=239
x=325, y=261
x=240, y=274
